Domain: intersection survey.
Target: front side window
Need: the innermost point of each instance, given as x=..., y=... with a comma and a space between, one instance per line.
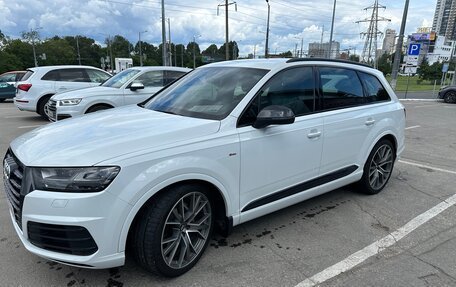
x=151, y=79
x=120, y=79
x=96, y=76
x=340, y=88
x=72, y=75
x=293, y=88
x=209, y=93
x=375, y=90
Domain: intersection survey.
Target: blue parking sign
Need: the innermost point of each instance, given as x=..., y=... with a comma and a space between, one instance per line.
x=414, y=50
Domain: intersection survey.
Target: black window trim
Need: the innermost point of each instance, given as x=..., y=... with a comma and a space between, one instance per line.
x=261, y=90
x=365, y=95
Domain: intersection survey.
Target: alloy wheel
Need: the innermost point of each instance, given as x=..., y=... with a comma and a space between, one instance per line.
x=186, y=230
x=380, y=167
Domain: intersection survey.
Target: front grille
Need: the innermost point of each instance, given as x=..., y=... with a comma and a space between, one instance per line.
x=68, y=239
x=51, y=110
x=13, y=175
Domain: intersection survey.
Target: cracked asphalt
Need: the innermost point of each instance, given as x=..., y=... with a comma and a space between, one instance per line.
x=288, y=246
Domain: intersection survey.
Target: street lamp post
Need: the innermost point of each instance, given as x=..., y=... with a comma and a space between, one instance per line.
x=140, y=49
x=332, y=30
x=33, y=35
x=302, y=43
x=194, y=44
x=266, y=49
x=397, y=55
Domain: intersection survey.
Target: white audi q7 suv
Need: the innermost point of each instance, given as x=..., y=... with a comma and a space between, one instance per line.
x=226, y=143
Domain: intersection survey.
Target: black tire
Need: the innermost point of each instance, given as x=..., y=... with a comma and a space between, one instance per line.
x=40, y=107
x=98, y=108
x=378, y=168
x=159, y=236
x=450, y=97
x=2, y=100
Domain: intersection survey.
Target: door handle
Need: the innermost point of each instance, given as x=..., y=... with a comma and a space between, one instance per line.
x=314, y=134
x=370, y=122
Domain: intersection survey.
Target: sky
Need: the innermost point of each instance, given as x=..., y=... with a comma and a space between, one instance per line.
x=291, y=22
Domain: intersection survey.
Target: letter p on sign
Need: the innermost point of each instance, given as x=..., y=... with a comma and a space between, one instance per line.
x=414, y=50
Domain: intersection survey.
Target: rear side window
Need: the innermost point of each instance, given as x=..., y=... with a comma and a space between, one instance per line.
x=340, y=88
x=27, y=75
x=19, y=76
x=374, y=89
x=73, y=75
x=51, y=76
x=170, y=76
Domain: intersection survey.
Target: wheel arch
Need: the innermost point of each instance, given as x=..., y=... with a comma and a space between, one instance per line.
x=99, y=104
x=223, y=222
x=41, y=99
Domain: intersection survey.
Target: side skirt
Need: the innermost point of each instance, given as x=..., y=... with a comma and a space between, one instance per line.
x=301, y=187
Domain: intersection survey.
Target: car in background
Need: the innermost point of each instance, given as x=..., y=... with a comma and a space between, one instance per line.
x=41, y=83
x=448, y=94
x=130, y=86
x=7, y=81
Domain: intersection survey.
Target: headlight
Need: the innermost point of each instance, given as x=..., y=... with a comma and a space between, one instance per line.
x=69, y=102
x=79, y=179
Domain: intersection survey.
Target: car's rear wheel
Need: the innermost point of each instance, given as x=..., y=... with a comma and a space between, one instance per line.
x=174, y=230
x=41, y=104
x=378, y=168
x=450, y=97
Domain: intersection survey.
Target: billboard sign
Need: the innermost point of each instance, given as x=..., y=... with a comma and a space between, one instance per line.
x=416, y=37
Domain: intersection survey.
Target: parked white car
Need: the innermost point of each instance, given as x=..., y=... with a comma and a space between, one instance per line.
x=130, y=86
x=41, y=83
x=226, y=143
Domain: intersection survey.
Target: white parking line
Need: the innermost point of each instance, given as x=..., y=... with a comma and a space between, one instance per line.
x=412, y=127
x=378, y=246
x=27, y=127
x=362, y=255
x=426, y=106
x=427, y=166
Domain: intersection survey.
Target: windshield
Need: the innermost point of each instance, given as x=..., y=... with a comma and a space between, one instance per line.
x=209, y=93
x=121, y=78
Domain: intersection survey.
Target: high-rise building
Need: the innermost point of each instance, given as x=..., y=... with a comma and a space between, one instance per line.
x=389, y=41
x=444, y=23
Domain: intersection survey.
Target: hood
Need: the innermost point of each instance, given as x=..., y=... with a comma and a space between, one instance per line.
x=86, y=92
x=104, y=135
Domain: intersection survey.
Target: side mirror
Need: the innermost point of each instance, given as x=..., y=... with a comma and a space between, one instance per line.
x=274, y=115
x=136, y=86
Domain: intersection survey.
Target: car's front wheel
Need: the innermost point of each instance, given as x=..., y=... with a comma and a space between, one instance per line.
x=450, y=97
x=378, y=168
x=174, y=230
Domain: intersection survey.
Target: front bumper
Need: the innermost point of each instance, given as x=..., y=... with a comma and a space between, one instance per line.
x=55, y=112
x=101, y=214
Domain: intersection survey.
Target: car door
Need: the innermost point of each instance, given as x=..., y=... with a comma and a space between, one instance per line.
x=72, y=79
x=347, y=119
x=7, y=89
x=276, y=159
x=152, y=81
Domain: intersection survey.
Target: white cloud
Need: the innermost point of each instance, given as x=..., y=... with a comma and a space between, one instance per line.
x=290, y=20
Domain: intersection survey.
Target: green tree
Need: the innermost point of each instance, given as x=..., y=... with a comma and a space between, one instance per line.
x=354, y=58
x=57, y=51
x=384, y=64
x=430, y=72
x=9, y=62
x=22, y=51
x=120, y=46
x=89, y=51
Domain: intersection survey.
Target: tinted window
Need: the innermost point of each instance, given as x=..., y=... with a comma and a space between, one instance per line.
x=51, y=76
x=209, y=93
x=171, y=76
x=19, y=76
x=96, y=76
x=151, y=79
x=374, y=89
x=73, y=75
x=293, y=88
x=340, y=88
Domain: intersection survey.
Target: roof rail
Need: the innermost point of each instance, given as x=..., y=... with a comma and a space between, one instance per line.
x=293, y=60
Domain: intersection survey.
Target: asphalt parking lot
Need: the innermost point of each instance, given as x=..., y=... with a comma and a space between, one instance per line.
x=404, y=236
